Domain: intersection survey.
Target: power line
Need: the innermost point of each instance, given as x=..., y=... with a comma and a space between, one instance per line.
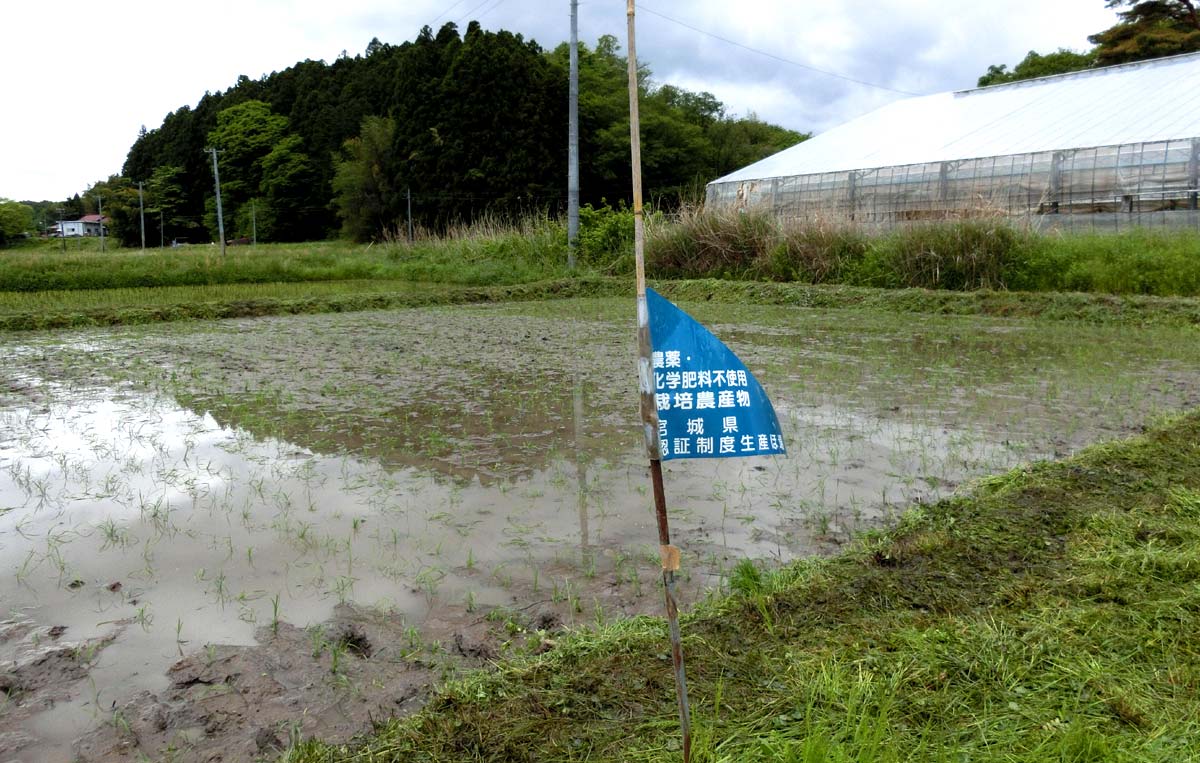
x=471, y=12
x=443, y=13
x=772, y=55
x=489, y=10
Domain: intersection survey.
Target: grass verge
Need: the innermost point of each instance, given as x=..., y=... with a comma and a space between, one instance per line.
x=21, y=311
x=1050, y=615
x=474, y=257
x=985, y=252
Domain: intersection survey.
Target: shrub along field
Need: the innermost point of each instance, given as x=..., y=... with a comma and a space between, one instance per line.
x=962, y=255
x=981, y=253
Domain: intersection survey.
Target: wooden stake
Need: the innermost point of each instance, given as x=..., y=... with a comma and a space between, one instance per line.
x=670, y=554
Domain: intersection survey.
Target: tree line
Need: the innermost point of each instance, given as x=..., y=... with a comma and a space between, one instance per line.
x=1146, y=29
x=461, y=124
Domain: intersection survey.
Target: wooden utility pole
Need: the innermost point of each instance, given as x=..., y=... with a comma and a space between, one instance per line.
x=670, y=554
x=573, y=143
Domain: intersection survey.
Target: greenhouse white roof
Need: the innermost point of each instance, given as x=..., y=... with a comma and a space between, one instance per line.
x=1130, y=103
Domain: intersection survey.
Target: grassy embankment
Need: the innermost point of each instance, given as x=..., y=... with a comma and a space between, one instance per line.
x=1049, y=615
x=980, y=253
x=972, y=266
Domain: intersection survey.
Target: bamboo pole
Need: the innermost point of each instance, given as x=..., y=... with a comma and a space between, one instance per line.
x=649, y=411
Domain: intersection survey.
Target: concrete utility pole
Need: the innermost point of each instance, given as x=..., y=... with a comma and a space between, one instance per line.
x=62, y=231
x=142, y=215
x=100, y=210
x=408, y=194
x=573, y=143
x=220, y=215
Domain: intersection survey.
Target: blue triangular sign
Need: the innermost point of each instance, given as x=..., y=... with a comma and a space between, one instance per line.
x=709, y=404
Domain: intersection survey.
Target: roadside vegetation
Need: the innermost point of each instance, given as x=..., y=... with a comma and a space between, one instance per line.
x=1049, y=614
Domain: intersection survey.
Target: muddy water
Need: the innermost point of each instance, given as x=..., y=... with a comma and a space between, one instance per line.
x=170, y=493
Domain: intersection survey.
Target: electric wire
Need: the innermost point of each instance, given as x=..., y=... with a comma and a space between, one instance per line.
x=452, y=6
x=776, y=57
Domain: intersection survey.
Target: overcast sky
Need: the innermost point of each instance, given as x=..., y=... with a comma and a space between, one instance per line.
x=79, y=79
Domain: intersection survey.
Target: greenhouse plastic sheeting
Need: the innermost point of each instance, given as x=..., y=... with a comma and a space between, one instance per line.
x=1122, y=139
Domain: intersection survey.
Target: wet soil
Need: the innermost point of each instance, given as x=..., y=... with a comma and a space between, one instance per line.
x=215, y=514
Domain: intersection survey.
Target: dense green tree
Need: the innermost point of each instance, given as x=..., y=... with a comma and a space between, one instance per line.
x=478, y=124
x=364, y=184
x=1035, y=65
x=120, y=206
x=45, y=214
x=1149, y=29
x=284, y=190
x=1146, y=29
x=739, y=142
x=166, y=206
x=16, y=219
x=72, y=208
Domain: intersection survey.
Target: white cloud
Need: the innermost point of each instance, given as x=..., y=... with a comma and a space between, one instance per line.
x=80, y=79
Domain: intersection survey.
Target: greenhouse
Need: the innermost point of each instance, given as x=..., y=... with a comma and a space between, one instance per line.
x=1093, y=150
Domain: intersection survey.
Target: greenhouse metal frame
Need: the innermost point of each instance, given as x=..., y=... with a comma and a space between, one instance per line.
x=1102, y=187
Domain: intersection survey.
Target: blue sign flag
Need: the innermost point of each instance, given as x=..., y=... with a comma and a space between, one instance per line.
x=709, y=405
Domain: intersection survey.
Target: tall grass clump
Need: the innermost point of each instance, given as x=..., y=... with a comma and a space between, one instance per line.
x=486, y=251
x=606, y=238
x=961, y=255
x=715, y=243
x=1136, y=261
x=816, y=252
x=967, y=254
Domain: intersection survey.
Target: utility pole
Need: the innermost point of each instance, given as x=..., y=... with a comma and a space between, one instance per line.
x=220, y=215
x=100, y=209
x=408, y=194
x=142, y=214
x=573, y=143
x=62, y=232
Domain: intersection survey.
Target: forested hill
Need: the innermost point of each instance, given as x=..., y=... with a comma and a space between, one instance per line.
x=468, y=123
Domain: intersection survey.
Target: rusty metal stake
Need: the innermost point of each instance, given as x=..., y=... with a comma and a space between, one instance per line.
x=649, y=411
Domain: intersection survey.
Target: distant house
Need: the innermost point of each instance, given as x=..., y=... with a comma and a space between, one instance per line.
x=88, y=225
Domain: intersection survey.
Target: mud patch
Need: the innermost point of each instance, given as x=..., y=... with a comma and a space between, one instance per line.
x=331, y=681
x=39, y=670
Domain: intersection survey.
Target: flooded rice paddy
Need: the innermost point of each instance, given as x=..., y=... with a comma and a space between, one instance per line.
x=218, y=537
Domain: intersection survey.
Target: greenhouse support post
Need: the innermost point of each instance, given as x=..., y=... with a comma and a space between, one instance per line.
x=1194, y=174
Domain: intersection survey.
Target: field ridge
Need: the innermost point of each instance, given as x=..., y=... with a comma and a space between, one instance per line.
x=58, y=309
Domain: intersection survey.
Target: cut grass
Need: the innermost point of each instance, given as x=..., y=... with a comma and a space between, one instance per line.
x=21, y=311
x=1049, y=615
